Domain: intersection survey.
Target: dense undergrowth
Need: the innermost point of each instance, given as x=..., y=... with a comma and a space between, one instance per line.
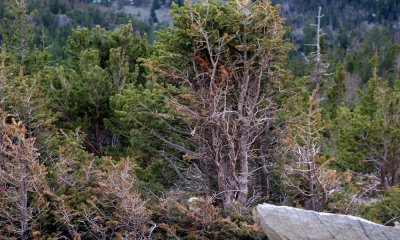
x=108, y=135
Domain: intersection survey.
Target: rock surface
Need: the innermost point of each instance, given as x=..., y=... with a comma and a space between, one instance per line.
x=287, y=223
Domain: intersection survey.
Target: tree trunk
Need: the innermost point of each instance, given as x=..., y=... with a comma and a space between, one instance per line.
x=311, y=187
x=244, y=173
x=383, y=165
x=98, y=132
x=383, y=179
x=264, y=176
x=226, y=195
x=24, y=202
x=395, y=167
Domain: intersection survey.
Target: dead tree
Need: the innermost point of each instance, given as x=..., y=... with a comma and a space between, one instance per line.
x=304, y=174
x=316, y=57
x=129, y=216
x=22, y=179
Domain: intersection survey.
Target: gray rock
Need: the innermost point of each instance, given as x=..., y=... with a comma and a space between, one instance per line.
x=287, y=223
x=62, y=20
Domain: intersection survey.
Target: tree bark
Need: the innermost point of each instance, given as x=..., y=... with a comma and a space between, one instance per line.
x=226, y=194
x=395, y=167
x=244, y=173
x=264, y=176
x=24, y=202
x=383, y=165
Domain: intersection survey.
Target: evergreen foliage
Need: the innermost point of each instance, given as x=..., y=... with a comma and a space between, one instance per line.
x=107, y=135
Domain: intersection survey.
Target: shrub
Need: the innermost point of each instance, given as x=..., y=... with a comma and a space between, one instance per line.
x=385, y=210
x=181, y=216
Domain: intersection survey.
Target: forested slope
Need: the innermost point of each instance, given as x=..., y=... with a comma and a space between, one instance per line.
x=56, y=19
x=106, y=134
x=352, y=31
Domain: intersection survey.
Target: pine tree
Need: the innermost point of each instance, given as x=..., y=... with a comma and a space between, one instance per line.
x=24, y=90
x=370, y=131
x=153, y=16
x=156, y=4
x=304, y=172
x=337, y=93
x=228, y=73
x=17, y=33
x=102, y=64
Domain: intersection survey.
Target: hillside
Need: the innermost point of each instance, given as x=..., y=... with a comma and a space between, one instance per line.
x=57, y=18
x=116, y=123
x=351, y=28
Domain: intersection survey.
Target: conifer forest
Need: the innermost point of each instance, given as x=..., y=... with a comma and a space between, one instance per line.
x=118, y=123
